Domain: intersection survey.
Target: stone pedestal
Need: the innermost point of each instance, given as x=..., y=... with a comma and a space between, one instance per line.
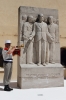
x=33, y=76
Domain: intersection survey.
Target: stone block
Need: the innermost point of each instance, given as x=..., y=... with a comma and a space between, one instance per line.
x=38, y=31
x=33, y=76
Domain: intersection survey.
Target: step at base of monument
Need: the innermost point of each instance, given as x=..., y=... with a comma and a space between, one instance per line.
x=33, y=76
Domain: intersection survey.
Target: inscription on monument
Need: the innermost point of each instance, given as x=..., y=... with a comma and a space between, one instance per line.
x=52, y=75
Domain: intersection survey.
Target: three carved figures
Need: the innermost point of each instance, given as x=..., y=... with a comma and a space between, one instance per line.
x=39, y=34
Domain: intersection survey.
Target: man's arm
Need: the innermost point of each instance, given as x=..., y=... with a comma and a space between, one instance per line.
x=33, y=33
x=56, y=34
x=24, y=30
x=11, y=50
x=50, y=38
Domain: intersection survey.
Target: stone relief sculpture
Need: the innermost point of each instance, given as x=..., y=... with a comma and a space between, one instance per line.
x=36, y=31
x=24, y=19
x=39, y=62
x=41, y=33
x=27, y=31
x=40, y=29
x=53, y=30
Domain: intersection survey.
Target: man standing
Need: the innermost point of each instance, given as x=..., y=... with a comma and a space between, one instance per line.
x=24, y=19
x=53, y=30
x=41, y=33
x=7, y=64
x=27, y=31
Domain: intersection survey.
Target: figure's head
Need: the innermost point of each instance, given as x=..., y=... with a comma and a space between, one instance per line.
x=41, y=17
x=30, y=18
x=24, y=17
x=54, y=20
x=34, y=19
x=50, y=19
x=7, y=43
x=45, y=19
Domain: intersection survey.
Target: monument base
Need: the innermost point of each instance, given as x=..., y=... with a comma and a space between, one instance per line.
x=33, y=76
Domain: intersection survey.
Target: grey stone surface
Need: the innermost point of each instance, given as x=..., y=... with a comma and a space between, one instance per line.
x=29, y=68
x=28, y=30
x=27, y=83
x=32, y=76
x=39, y=34
x=53, y=30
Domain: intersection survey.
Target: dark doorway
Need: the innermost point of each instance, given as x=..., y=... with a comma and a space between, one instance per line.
x=1, y=58
x=63, y=56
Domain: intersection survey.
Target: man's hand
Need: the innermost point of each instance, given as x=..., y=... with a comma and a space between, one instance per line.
x=30, y=38
x=52, y=39
x=13, y=46
x=24, y=37
x=11, y=50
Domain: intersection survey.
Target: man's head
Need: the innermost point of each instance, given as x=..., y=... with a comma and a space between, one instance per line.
x=7, y=43
x=45, y=19
x=41, y=17
x=54, y=20
x=34, y=19
x=50, y=19
x=30, y=18
x=24, y=17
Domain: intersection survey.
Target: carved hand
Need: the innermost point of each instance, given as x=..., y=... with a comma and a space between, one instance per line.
x=31, y=37
x=52, y=39
x=25, y=37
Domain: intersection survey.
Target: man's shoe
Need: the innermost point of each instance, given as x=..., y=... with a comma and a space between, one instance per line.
x=7, y=88
x=44, y=64
x=39, y=64
x=10, y=88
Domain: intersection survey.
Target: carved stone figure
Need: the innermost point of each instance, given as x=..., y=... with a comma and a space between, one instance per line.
x=27, y=31
x=54, y=20
x=34, y=19
x=57, y=29
x=41, y=33
x=45, y=19
x=53, y=30
x=24, y=18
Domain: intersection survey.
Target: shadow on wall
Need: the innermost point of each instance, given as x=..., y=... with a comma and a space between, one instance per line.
x=63, y=56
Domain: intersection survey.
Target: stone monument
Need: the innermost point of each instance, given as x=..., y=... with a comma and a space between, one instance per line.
x=39, y=64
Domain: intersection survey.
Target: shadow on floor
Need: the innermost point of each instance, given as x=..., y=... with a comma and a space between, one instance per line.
x=12, y=84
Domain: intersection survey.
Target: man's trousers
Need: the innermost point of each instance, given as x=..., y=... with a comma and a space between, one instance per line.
x=41, y=51
x=7, y=72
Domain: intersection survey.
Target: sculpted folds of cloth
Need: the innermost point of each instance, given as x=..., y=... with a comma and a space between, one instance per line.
x=27, y=31
x=37, y=32
x=40, y=36
x=53, y=30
